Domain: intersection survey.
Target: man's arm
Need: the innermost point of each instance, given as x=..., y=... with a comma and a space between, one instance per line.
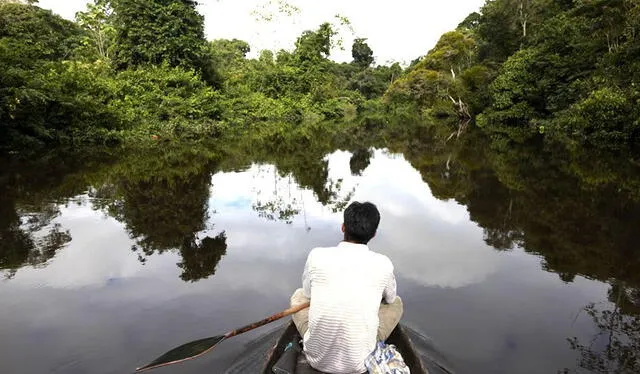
x=306, y=277
x=389, y=294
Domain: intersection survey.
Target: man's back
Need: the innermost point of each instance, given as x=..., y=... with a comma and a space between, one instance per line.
x=346, y=285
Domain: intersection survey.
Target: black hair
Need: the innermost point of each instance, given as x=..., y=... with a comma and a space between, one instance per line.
x=361, y=222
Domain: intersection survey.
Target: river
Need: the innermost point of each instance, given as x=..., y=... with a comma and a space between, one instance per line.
x=109, y=258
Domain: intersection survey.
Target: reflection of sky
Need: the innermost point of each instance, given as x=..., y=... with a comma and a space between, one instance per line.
x=96, y=309
x=93, y=256
x=432, y=242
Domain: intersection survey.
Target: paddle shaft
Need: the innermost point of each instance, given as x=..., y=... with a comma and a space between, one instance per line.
x=275, y=317
x=197, y=348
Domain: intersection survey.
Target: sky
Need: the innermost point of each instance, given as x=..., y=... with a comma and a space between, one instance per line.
x=399, y=30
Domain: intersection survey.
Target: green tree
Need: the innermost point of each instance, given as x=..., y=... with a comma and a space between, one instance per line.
x=373, y=82
x=454, y=52
x=361, y=52
x=314, y=46
x=227, y=59
x=97, y=23
x=32, y=41
x=498, y=30
x=574, y=83
x=157, y=31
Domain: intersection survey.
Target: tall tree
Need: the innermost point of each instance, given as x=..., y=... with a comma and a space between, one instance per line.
x=97, y=22
x=361, y=52
x=159, y=31
x=31, y=39
x=313, y=46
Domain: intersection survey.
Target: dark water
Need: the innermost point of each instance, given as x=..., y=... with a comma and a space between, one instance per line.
x=109, y=259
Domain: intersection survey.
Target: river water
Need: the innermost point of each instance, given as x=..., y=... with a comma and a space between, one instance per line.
x=109, y=260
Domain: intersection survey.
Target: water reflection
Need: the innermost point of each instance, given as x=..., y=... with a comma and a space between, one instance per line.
x=526, y=199
x=615, y=347
x=501, y=257
x=360, y=160
x=28, y=235
x=168, y=212
x=200, y=257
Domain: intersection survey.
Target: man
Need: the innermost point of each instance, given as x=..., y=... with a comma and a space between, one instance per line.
x=346, y=285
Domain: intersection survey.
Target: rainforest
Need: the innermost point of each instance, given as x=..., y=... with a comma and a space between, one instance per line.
x=156, y=184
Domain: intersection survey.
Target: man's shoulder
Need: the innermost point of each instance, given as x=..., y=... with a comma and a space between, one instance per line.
x=382, y=260
x=319, y=252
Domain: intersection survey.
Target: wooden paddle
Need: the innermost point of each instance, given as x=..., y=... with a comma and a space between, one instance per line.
x=198, y=348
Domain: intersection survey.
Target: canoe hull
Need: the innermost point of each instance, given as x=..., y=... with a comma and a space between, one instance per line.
x=398, y=337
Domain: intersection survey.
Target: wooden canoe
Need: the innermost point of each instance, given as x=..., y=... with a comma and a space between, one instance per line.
x=398, y=337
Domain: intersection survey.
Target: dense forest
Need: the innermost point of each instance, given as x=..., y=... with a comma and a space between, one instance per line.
x=528, y=114
x=133, y=69
x=539, y=96
x=563, y=73
x=534, y=68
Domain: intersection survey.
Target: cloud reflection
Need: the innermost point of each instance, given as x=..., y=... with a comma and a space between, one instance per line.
x=431, y=242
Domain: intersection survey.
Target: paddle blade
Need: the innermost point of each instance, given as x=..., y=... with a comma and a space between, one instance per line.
x=184, y=352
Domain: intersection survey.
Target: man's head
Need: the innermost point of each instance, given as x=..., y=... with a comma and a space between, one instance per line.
x=360, y=222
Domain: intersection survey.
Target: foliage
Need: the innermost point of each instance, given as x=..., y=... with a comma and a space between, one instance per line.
x=361, y=52
x=454, y=52
x=314, y=46
x=98, y=39
x=130, y=71
x=31, y=39
x=620, y=331
x=535, y=72
x=270, y=94
x=561, y=74
x=373, y=82
x=159, y=31
x=227, y=59
x=171, y=101
x=601, y=120
x=48, y=97
x=443, y=88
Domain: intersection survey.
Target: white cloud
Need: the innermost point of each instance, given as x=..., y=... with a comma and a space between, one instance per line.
x=65, y=8
x=431, y=242
x=93, y=258
x=400, y=30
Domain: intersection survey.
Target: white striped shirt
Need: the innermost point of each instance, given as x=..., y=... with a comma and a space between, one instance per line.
x=346, y=285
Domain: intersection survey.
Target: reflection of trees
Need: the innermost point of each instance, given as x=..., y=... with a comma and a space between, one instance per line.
x=360, y=160
x=277, y=209
x=301, y=164
x=523, y=196
x=199, y=259
x=579, y=229
x=162, y=213
x=30, y=193
x=615, y=348
x=164, y=207
x=301, y=157
x=160, y=195
x=581, y=221
x=23, y=243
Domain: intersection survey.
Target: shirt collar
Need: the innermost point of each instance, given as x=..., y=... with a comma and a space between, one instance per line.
x=348, y=245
